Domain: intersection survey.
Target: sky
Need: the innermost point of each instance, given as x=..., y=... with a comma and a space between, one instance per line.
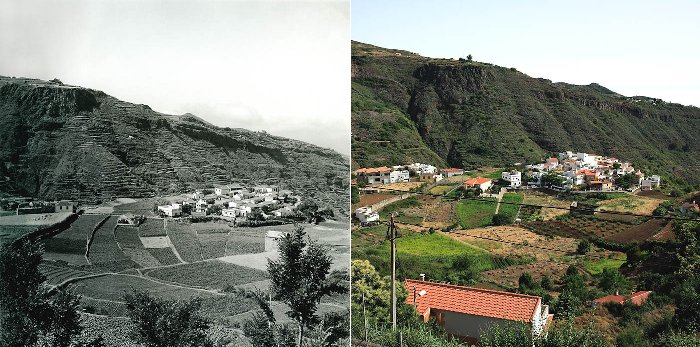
x=647, y=48
x=280, y=66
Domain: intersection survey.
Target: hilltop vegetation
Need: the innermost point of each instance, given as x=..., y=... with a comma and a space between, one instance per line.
x=64, y=142
x=471, y=114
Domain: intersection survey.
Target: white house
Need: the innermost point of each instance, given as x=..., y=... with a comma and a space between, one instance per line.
x=514, y=177
x=197, y=195
x=222, y=190
x=398, y=176
x=452, y=171
x=466, y=312
x=379, y=175
x=173, y=210
x=365, y=215
x=649, y=183
x=229, y=212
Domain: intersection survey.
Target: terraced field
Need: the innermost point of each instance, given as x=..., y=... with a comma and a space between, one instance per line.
x=185, y=241
x=165, y=256
x=104, y=251
x=128, y=239
x=210, y=274
x=9, y=233
x=152, y=227
x=57, y=274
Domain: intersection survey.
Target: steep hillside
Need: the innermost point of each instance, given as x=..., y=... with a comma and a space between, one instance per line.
x=65, y=142
x=474, y=114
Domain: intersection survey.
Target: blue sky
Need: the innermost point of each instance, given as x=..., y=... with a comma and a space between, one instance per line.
x=649, y=48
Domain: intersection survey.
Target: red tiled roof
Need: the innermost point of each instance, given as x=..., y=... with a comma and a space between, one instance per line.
x=476, y=181
x=637, y=298
x=472, y=301
x=554, y=160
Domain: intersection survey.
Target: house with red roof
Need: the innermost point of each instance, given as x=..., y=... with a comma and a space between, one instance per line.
x=466, y=312
x=637, y=298
x=478, y=182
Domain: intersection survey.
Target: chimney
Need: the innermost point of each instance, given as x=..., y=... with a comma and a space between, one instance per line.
x=422, y=277
x=617, y=292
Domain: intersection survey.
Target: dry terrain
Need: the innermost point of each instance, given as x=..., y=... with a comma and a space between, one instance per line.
x=371, y=199
x=402, y=186
x=631, y=203
x=519, y=242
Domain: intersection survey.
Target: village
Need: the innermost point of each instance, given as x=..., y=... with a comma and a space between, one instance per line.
x=527, y=243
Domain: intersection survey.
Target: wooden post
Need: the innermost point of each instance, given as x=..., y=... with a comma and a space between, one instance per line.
x=392, y=238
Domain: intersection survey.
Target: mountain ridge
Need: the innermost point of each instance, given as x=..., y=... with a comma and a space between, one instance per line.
x=472, y=114
x=69, y=142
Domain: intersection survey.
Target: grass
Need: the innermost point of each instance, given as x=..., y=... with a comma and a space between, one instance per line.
x=113, y=287
x=212, y=274
x=510, y=210
x=441, y=189
x=475, y=214
x=399, y=205
x=433, y=244
x=438, y=256
x=597, y=266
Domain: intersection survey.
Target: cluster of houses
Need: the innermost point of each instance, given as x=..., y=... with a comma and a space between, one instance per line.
x=235, y=201
x=595, y=172
x=403, y=173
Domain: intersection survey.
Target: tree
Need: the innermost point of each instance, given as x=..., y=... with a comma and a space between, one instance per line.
x=214, y=210
x=501, y=219
x=526, y=283
x=552, y=179
x=163, y=323
x=299, y=278
x=547, y=283
x=612, y=280
x=469, y=57
x=354, y=194
x=30, y=313
x=584, y=246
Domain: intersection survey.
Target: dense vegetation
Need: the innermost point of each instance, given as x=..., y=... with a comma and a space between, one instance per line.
x=471, y=114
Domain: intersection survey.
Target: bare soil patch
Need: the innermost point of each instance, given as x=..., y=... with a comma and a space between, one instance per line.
x=402, y=186
x=640, y=232
x=517, y=241
x=371, y=199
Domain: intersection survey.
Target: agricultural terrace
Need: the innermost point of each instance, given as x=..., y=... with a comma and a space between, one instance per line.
x=13, y=227
x=476, y=213
x=71, y=244
x=104, y=250
x=210, y=274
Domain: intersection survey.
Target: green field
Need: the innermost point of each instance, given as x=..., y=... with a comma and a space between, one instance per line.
x=475, y=213
x=597, y=266
x=436, y=255
x=510, y=210
x=433, y=244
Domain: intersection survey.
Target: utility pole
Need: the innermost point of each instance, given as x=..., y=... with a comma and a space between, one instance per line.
x=392, y=233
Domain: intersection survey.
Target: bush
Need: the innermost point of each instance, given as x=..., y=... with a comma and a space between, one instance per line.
x=584, y=246
x=501, y=219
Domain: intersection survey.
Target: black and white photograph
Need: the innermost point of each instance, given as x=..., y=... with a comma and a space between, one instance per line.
x=174, y=173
